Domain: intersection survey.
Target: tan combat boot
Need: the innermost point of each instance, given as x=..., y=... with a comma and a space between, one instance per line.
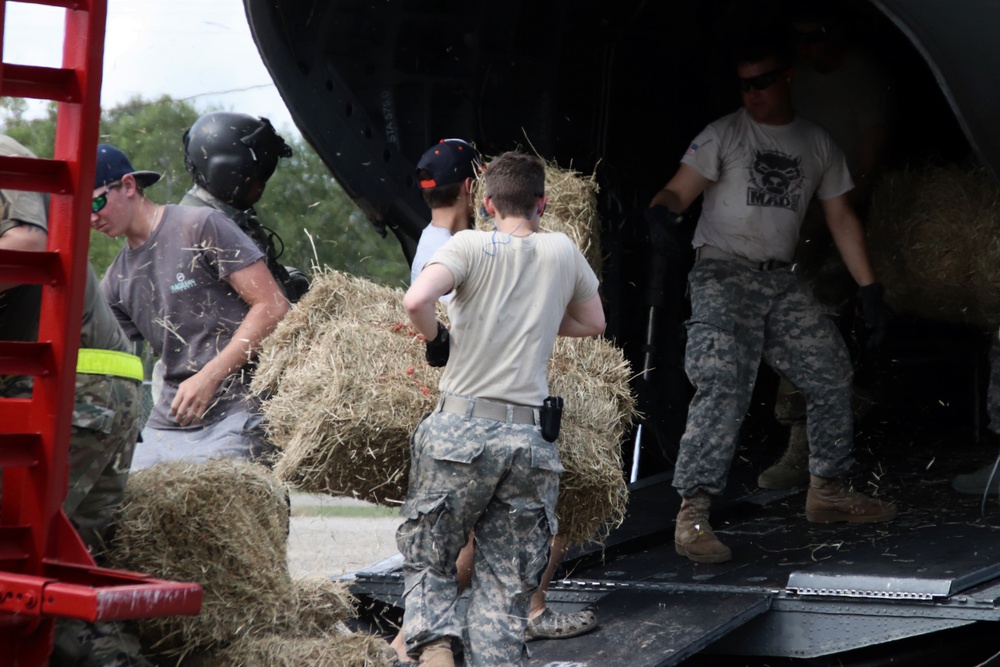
x=437, y=654
x=829, y=502
x=792, y=469
x=693, y=536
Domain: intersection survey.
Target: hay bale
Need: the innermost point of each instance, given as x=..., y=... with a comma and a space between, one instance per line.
x=342, y=406
x=337, y=649
x=934, y=240
x=592, y=376
x=224, y=525
x=318, y=604
x=348, y=383
x=571, y=208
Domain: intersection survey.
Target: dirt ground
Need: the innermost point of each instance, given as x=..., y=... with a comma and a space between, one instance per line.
x=334, y=536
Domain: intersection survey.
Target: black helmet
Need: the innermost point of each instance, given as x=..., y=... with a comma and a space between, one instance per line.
x=228, y=152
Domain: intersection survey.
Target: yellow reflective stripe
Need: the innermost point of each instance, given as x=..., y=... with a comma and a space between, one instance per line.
x=109, y=362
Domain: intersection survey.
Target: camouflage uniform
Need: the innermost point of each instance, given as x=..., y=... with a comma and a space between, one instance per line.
x=82, y=644
x=738, y=315
x=106, y=421
x=502, y=478
x=105, y=427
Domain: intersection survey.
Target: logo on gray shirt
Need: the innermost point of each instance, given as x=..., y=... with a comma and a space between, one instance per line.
x=775, y=180
x=182, y=284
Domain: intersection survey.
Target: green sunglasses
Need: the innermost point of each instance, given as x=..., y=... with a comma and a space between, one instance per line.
x=101, y=200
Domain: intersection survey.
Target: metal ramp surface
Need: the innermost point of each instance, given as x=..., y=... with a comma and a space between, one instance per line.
x=794, y=590
x=651, y=628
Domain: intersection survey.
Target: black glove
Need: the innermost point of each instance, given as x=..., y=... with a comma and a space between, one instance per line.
x=875, y=313
x=664, y=230
x=437, y=349
x=296, y=285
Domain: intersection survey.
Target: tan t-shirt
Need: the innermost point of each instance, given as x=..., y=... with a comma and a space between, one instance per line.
x=510, y=297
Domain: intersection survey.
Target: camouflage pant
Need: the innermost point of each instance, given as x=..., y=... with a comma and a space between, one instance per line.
x=106, y=425
x=739, y=315
x=502, y=479
x=105, y=428
x=821, y=267
x=82, y=644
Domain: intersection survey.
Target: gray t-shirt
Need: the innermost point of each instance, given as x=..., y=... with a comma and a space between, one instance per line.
x=763, y=177
x=510, y=297
x=171, y=291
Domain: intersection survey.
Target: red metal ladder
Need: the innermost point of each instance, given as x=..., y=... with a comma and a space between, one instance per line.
x=45, y=571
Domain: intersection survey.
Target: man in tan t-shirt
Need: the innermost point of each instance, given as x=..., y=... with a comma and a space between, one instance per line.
x=485, y=459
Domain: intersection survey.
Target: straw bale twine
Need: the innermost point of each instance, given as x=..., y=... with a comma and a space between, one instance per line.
x=224, y=525
x=342, y=406
x=571, y=208
x=934, y=239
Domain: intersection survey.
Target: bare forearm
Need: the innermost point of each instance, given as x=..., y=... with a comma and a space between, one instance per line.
x=260, y=321
x=573, y=328
x=424, y=319
x=582, y=319
x=850, y=241
x=434, y=281
x=670, y=199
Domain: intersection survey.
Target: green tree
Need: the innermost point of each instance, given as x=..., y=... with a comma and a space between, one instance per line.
x=320, y=225
x=317, y=222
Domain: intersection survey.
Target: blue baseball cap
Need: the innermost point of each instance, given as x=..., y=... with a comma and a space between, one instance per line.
x=112, y=165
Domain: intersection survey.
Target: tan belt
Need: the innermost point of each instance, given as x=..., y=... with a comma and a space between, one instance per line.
x=711, y=252
x=519, y=414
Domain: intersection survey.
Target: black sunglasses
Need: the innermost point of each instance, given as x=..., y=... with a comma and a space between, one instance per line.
x=761, y=81
x=101, y=200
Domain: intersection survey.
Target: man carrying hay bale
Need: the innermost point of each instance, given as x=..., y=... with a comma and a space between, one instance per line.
x=485, y=457
x=759, y=168
x=445, y=172
x=195, y=287
x=230, y=157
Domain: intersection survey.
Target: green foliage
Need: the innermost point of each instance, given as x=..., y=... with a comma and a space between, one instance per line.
x=318, y=223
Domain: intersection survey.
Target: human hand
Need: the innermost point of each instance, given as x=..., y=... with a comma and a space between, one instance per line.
x=437, y=349
x=194, y=397
x=663, y=230
x=875, y=313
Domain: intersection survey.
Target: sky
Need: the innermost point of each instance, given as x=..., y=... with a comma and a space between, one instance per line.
x=198, y=50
